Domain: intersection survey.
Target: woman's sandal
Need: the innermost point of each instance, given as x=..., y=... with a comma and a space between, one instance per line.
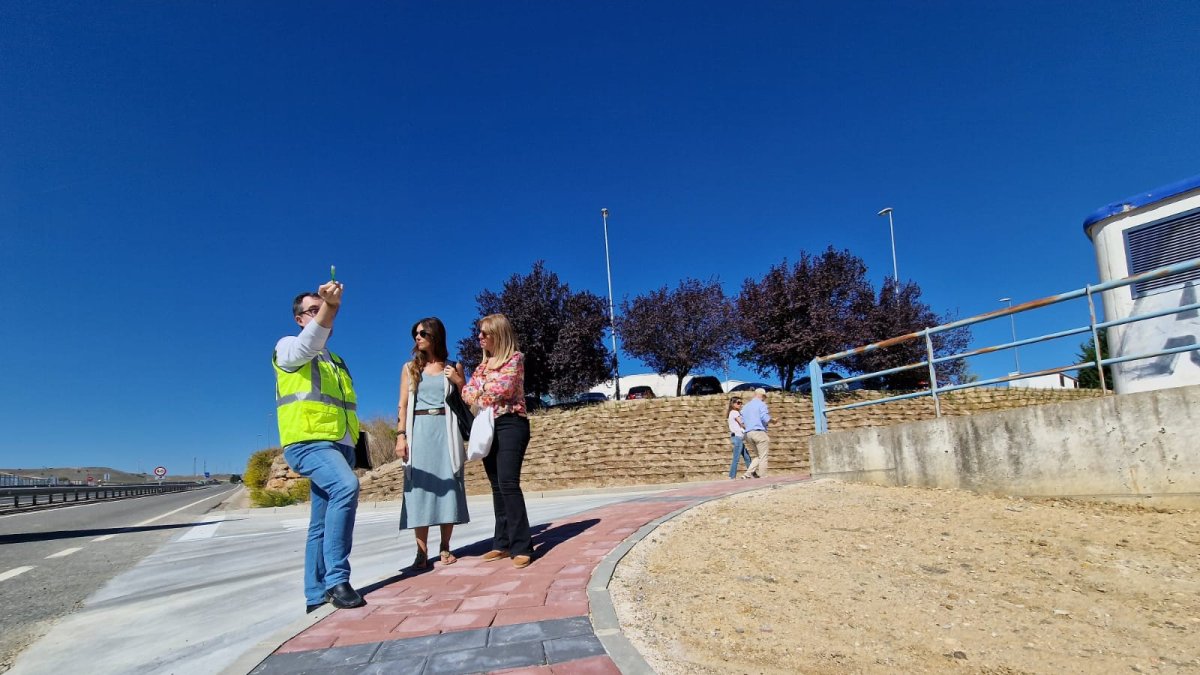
x=448, y=558
x=421, y=562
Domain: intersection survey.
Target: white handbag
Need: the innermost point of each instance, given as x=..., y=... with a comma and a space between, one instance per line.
x=482, y=429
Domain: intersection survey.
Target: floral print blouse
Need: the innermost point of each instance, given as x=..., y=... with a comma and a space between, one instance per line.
x=502, y=388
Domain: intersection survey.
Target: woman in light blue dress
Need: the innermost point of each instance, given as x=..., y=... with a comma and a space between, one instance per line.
x=430, y=444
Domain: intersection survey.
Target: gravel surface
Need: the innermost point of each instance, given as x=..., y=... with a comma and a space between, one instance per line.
x=829, y=577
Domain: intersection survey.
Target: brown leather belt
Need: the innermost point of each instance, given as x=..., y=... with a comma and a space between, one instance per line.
x=430, y=411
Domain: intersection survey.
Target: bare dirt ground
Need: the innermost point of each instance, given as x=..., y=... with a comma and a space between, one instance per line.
x=829, y=577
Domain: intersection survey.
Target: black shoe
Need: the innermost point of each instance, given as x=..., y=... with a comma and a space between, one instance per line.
x=343, y=596
x=309, y=609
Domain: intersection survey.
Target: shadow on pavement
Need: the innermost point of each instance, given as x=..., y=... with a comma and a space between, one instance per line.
x=72, y=534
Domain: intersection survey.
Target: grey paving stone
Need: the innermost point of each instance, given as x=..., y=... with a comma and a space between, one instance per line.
x=317, y=660
x=540, y=630
x=408, y=664
x=571, y=648
x=486, y=659
x=463, y=639
x=394, y=649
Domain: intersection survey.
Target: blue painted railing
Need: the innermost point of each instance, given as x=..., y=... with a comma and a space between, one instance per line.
x=820, y=410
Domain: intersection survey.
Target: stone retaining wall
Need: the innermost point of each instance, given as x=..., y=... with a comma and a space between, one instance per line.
x=670, y=440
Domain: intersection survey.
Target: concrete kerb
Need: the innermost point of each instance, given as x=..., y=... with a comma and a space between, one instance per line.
x=264, y=648
x=604, y=614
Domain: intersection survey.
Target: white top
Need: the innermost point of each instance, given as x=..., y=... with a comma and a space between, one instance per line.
x=735, y=423
x=293, y=351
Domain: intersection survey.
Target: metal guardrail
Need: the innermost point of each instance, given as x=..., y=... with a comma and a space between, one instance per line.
x=820, y=410
x=21, y=498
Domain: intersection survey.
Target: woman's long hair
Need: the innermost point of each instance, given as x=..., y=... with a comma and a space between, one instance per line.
x=732, y=402
x=503, y=339
x=437, y=344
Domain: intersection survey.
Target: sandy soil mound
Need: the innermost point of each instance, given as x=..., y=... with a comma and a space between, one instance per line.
x=827, y=577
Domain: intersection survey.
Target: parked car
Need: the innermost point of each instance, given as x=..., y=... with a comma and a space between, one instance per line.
x=803, y=386
x=702, y=385
x=641, y=391
x=751, y=386
x=591, y=397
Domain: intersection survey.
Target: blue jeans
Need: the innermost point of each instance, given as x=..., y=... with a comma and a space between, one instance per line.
x=331, y=524
x=739, y=450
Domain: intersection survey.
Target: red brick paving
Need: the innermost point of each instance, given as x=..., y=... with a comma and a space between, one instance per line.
x=473, y=594
x=596, y=665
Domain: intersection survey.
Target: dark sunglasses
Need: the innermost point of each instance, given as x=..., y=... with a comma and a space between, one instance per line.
x=423, y=333
x=311, y=311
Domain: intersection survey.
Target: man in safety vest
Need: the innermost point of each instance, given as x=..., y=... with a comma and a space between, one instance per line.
x=318, y=426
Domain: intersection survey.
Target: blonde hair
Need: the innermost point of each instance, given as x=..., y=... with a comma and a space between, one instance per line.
x=503, y=340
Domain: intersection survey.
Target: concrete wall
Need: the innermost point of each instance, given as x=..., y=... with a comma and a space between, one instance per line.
x=1140, y=447
x=672, y=440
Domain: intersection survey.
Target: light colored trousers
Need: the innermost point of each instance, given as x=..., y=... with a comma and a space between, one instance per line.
x=760, y=445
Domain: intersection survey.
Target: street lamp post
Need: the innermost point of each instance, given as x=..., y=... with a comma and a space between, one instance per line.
x=612, y=319
x=1012, y=318
x=892, y=229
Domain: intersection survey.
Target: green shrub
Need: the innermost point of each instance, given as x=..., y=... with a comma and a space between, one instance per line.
x=299, y=491
x=258, y=468
x=268, y=498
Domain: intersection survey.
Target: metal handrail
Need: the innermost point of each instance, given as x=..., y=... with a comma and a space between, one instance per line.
x=819, y=385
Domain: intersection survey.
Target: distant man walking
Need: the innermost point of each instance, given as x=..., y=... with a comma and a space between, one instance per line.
x=756, y=417
x=318, y=426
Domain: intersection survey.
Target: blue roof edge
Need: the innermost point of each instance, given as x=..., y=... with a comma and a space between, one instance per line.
x=1141, y=199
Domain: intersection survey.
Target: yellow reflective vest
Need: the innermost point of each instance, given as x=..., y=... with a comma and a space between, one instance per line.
x=316, y=402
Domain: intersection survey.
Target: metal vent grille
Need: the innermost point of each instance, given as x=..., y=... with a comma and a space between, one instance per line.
x=1164, y=243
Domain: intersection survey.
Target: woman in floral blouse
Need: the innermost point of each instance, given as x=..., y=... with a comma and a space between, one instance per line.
x=499, y=383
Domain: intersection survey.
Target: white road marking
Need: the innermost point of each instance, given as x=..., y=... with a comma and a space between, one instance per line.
x=14, y=572
x=64, y=553
x=160, y=517
x=204, y=530
x=293, y=524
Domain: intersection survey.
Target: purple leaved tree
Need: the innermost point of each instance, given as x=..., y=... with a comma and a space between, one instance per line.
x=898, y=310
x=560, y=332
x=797, y=312
x=682, y=330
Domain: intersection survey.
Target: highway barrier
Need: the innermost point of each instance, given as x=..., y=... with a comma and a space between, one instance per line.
x=24, y=498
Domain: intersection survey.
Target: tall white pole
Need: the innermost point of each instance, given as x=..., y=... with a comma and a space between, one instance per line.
x=612, y=317
x=892, y=230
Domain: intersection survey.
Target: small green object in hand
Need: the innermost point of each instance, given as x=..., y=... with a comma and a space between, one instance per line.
x=332, y=270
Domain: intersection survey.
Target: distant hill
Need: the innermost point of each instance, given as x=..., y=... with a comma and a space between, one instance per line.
x=79, y=474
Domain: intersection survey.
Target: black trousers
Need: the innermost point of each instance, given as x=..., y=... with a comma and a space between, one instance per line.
x=503, y=466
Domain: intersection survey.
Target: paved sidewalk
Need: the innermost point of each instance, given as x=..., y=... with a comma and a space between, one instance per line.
x=478, y=617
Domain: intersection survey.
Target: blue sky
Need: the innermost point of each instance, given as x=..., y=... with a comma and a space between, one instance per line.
x=171, y=174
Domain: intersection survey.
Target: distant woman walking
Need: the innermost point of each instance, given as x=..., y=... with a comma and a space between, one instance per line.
x=429, y=442
x=499, y=383
x=736, y=432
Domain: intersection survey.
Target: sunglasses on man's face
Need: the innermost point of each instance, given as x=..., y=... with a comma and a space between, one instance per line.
x=311, y=311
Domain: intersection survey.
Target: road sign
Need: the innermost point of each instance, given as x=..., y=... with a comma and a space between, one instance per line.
x=207, y=475
x=160, y=471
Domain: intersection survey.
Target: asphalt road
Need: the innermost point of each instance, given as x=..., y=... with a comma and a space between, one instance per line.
x=52, y=560
x=212, y=591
